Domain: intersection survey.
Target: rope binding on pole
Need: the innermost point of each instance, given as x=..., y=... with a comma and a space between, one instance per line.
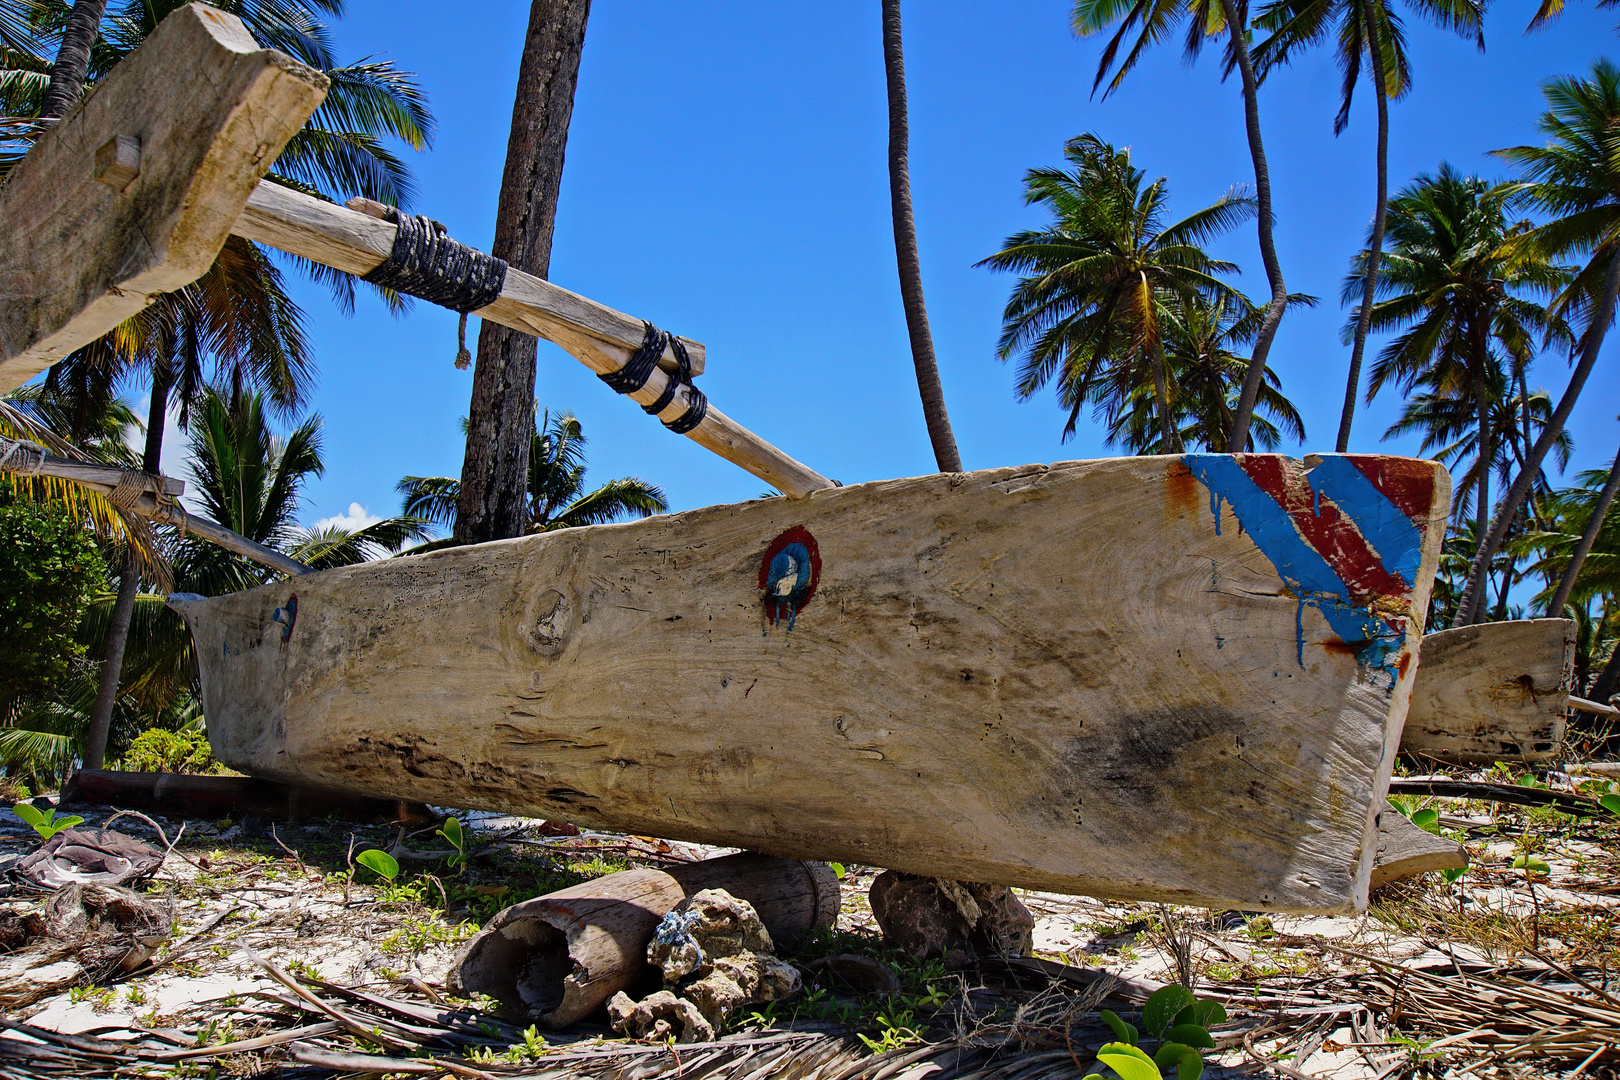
x=426, y=263
x=639, y=368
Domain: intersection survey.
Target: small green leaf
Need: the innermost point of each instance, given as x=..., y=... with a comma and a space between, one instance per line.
x=1192, y=1035
x=1427, y=819
x=1125, y=1033
x=1611, y=803
x=1161, y=1008
x=31, y=815
x=1454, y=876
x=1129, y=1062
x=1168, y=1054
x=379, y=862
x=1191, y=1065
x=1531, y=864
x=838, y=869
x=1204, y=1013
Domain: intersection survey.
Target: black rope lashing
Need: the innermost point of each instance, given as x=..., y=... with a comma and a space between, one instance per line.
x=697, y=406
x=426, y=263
x=639, y=368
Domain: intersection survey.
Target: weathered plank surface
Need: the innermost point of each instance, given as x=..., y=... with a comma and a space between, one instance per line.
x=1404, y=850
x=199, y=112
x=1492, y=692
x=594, y=334
x=1173, y=678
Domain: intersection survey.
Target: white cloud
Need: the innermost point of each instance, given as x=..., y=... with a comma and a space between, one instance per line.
x=356, y=519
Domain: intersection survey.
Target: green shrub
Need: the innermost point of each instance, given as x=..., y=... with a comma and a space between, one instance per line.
x=49, y=570
x=169, y=751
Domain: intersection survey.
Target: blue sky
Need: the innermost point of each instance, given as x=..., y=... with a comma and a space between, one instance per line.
x=726, y=178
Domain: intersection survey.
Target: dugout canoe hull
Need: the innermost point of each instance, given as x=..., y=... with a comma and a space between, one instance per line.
x=1493, y=692
x=1168, y=678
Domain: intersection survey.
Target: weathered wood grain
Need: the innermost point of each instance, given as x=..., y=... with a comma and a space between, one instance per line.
x=1404, y=850
x=1173, y=678
x=597, y=336
x=1492, y=692
x=135, y=191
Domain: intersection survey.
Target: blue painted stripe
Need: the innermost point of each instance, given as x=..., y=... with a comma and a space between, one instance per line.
x=1388, y=531
x=1304, y=571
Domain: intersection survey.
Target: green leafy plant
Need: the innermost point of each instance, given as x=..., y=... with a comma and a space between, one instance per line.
x=1611, y=803
x=46, y=823
x=838, y=868
x=1179, y=1021
x=379, y=862
x=1531, y=864
x=893, y=1033
x=156, y=750
x=458, y=840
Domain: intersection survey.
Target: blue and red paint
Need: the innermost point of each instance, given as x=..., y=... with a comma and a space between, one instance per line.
x=789, y=574
x=1343, y=537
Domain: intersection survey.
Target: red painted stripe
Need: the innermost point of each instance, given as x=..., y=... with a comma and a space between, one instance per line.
x=1406, y=483
x=1333, y=535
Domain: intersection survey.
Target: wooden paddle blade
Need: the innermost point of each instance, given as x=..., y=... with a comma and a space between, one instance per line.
x=135, y=191
x=1162, y=678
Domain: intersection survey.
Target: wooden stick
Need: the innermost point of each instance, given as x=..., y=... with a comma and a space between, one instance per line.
x=171, y=513
x=85, y=472
x=1585, y=705
x=596, y=335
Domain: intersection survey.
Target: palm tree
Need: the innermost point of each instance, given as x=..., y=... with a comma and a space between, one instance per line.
x=1453, y=289
x=494, y=467
x=1575, y=178
x=1205, y=374
x=1090, y=309
x=1205, y=19
x=1370, y=28
x=555, y=496
x=238, y=313
x=935, y=416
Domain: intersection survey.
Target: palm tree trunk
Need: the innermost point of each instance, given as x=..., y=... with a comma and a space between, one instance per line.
x=1482, y=493
x=1470, y=606
x=1594, y=524
x=1375, y=248
x=500, y=426
x=72, y=59
x=129, y=579
x=1169, y=441
x=1237, y=26
x=938, y=420
x=1603, y=689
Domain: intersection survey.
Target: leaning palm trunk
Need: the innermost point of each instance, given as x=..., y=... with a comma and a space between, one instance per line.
x=1375, y=249
x=1169, y=442
x=1235, y=26
x=1566, y=584
x=946, y=457
x=1472, y=602
x=72, y=59
x=112, y=660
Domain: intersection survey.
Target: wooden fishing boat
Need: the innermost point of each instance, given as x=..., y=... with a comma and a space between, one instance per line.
x=1493, y=692
x=1174, y=678
x=1170, y=678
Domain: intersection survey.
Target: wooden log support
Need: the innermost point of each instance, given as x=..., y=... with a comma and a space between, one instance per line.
x=214, y=797
x=135, y=191
x=1492, y=692
x=1179, y=679
x=1405, y=850
x=597, y=336
x=559, y=957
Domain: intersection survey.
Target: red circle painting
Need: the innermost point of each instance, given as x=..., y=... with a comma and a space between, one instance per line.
x=789, y=574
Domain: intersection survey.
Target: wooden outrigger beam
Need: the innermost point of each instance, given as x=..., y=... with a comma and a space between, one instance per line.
x=152, y=497
x=135, y=191
x=594, y=334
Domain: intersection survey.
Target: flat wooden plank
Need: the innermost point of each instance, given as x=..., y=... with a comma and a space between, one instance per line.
x=1492, y=692
x=1161, y=678
x=1405, y=850
x=594, y=334
x=209, y=112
